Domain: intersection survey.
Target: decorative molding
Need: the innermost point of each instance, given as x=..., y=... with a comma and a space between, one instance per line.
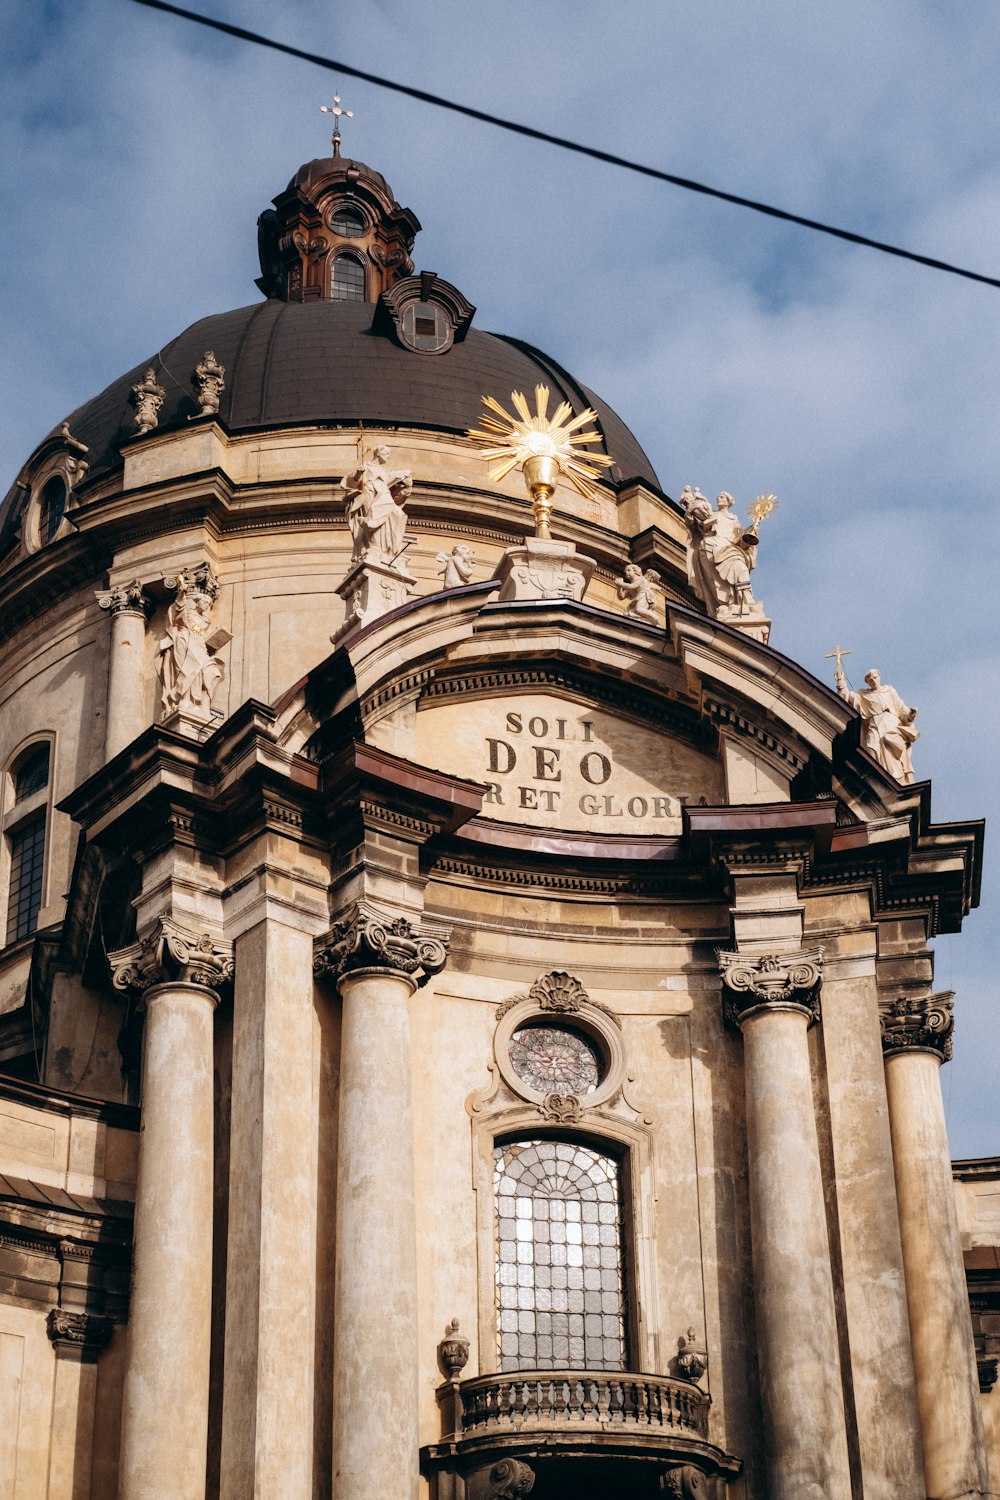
x=471, y=868
x=453, y=1351
x=556, y=991
x=732, y=718
x=127, y=598
x=770, y=981
x=169, y=951
x=392, y=818
x=82, y=1334
x=919, y=1025
x=369, y=939
x=564, y=1109
x=987, y=1369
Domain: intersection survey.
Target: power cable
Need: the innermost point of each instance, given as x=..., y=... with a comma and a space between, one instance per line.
x=566, y=145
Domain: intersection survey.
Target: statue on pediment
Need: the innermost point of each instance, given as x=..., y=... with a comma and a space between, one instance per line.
x=722, y=553
x=639, y=588
x=887, y=731
x=375, y=507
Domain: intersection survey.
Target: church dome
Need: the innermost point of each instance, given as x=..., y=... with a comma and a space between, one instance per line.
x=323, y=363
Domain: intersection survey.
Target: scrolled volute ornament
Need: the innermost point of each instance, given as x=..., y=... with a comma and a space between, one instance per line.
x=926, y=1024
x=171, y=952
x=510, y=1478
x=780, y=981
x=687, y=1483
x=370, y=940
x=79, y=1333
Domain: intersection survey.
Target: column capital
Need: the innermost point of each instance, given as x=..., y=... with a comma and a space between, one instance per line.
x=168, y=951
x=919, y=1025
x=82, y=1335
x=127, y=598
x=753, y=982
x=369, y=939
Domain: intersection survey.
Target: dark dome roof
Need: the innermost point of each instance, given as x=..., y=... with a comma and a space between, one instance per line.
x=312, y=363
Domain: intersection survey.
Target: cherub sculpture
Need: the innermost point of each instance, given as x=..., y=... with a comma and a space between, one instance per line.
x=456, y=568
x=639, y=589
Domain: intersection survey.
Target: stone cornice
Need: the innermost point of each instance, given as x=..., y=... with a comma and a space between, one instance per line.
x=919, y=1025
x=370, y=940
x=755, y=982
x=171, y=952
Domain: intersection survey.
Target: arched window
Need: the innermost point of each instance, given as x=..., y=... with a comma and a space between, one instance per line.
x=24, y=833
x=52, y=508
x=348, y=279
x=348, y=222
x=560, y=1268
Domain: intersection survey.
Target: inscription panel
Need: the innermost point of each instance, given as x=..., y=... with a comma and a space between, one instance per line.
x=552, y=762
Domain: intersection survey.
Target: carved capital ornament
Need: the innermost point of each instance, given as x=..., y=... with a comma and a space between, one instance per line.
x=754, y=982
x=919, y=1025
x=170, y=952
x=370, y=940
x=127, y=598
x=81, y=1334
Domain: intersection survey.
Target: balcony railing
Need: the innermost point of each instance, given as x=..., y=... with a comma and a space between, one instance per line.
x=605, y=1401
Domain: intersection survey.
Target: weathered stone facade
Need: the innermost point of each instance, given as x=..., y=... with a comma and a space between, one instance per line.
x=518, y=961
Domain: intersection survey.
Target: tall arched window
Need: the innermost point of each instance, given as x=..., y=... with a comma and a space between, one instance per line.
x=560, y=1269
x=348, y=279
x=52, y=508
x=24, y=832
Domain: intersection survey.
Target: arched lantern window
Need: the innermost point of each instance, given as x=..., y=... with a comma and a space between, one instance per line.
x=52, y=508
x=347, y=279
x=25, y=821
x=348, y=223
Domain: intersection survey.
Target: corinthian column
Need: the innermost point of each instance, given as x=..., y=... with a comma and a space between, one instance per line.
x=165, y=1402
x=126, y=716
x=378, y=963
x=773, y=1000
x=916, y=1040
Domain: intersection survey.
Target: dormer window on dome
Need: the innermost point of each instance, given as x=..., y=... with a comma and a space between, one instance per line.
x=424, y=313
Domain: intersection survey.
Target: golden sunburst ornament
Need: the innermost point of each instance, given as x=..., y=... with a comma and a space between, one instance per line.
x=543, y=447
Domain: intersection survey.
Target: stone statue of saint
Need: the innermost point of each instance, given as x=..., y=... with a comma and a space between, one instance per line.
x=721, y=555
x=639, y=589
x=209, y=381
x=457, y=568
x=147, y=398
x=376, y=496
x=188, y=667
x=887, y=730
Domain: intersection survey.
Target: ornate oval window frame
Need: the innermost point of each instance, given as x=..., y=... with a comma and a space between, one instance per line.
x=557, y=999
x=65, y=469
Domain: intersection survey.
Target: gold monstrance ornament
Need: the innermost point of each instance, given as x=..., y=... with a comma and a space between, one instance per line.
x=762, y=506
x=544, y=447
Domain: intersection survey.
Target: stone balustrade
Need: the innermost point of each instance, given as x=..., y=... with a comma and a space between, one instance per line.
x=577, y=1399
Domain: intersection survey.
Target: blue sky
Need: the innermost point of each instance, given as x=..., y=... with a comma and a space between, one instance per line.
x=746, y=355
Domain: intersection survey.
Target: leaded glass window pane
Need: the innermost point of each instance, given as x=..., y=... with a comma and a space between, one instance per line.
x=53, y=508
x=348, y=279
x=27, y=856
x=32, y=774
x=560, y=1273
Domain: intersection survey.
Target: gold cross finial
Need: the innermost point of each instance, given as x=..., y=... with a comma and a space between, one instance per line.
x=336, y=110
x=839, y=652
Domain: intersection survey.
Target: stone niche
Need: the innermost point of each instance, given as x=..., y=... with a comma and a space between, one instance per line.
x=555, y=762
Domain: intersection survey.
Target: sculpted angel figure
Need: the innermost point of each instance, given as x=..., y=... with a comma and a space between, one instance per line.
x=457, y=568
x=187, y=666
x=721, y=554
x=376, y=496
x=639, y=589
x=209, y=381
x=887, y=730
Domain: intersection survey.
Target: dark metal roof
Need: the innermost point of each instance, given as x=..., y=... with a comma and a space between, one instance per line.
x=311, y=363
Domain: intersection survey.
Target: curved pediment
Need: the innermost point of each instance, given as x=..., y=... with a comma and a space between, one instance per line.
x=573, y=717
